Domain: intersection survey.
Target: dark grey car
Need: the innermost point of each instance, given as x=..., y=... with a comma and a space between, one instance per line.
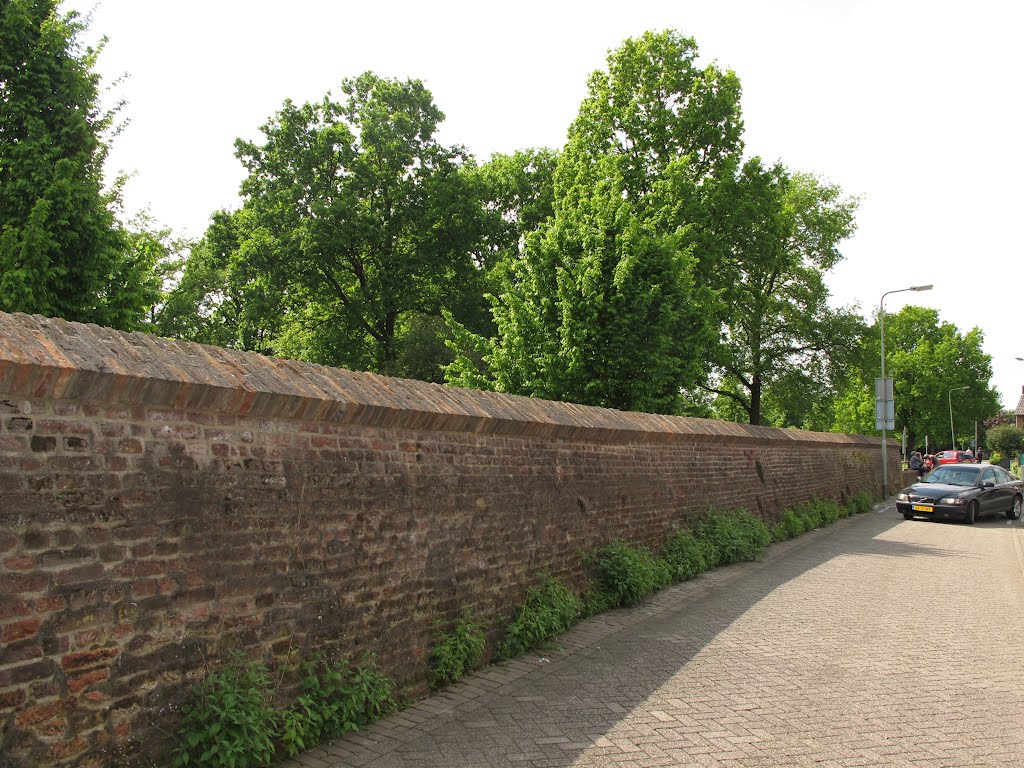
x=963, y=492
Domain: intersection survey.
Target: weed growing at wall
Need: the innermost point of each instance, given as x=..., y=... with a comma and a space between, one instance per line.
x=336, y=699
x=862, y=502
x=628, y=574
x=548, y=610
x=685, y=554
x=457, y=653
x=733, y=536
x=230, y=721
x=790, y=526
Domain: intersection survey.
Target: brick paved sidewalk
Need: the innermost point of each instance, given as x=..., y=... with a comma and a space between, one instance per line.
x=874, y=642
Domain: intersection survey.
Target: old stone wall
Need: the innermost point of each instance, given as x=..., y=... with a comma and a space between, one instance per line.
x=163, y=502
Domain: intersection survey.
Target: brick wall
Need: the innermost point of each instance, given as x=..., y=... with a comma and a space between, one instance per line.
x=163, y=502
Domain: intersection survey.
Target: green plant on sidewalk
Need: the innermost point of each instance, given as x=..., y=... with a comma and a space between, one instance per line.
x=732, y=536
x=457, y=653
x=686, y=555
x=336, y=699
x=548, y=610
x=628, y=574
x=229, y=721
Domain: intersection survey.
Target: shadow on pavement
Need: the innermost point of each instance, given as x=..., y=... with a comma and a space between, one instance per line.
x=610, y=664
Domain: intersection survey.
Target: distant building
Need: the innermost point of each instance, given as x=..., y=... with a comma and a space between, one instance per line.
x=1020, y=410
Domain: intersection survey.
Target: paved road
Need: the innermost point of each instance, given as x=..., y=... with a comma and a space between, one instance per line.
x=874, y=642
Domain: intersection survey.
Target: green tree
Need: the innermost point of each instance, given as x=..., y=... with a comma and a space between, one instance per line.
x=603, y=308
x=225, y=296
x=62, y=253
x=1007, y=439
x=518, y=191
x=929, y=362
x=767, y=239
x=355, y=222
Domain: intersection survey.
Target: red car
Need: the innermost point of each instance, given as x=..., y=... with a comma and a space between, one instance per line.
x=954, y=457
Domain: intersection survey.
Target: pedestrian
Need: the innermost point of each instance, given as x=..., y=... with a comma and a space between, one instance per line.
x=917, y=463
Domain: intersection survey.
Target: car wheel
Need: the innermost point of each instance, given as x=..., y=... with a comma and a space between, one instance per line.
x=910, y=515
x=971, y=513
x=1014, y=513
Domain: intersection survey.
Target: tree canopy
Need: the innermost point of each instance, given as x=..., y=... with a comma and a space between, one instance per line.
x=935, y=368
x=62, y=252
x=668, y=265
x=602, y=308
x=767, y=239
x=355, y=221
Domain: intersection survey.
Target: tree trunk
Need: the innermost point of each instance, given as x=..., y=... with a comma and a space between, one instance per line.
x=755, y=400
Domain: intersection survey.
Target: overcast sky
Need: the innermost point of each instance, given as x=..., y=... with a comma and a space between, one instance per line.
x=913, y=105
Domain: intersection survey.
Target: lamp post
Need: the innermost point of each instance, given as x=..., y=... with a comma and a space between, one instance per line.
x=952, y=433
x=881, y=324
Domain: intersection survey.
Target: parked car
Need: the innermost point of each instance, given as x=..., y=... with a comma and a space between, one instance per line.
x=953, y=457
x=963, y=492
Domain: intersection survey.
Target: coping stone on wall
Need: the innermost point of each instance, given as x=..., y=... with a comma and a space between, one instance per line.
x=52, y=358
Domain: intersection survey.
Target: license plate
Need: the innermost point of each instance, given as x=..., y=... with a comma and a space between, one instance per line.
x=923, y=508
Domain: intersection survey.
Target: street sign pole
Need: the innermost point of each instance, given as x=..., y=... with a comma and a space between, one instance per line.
x=885, y=418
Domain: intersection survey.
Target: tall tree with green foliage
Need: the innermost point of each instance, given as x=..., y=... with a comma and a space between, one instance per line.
x=603, y=308
x=518, y=192
x=926, y=358
x=356, y=226
x=224, y=297
x=767, y=237
x=62, y=253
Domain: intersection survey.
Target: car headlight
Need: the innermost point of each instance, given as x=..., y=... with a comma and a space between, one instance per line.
x=903, y=497
x=951, y=500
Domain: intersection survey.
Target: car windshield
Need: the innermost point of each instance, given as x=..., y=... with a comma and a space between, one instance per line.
x=953, y=476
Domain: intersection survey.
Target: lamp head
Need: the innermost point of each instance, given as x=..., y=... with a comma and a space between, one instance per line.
x=920, y=287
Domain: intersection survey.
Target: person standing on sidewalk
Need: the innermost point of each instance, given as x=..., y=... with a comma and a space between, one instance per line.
x=917, y=463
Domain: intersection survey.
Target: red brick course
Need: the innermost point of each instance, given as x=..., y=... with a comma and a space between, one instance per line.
x=163, y=502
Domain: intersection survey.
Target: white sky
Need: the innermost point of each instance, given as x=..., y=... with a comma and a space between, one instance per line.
x=914, y=105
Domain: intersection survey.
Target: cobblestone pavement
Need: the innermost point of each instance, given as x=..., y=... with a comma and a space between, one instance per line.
x=874, y=642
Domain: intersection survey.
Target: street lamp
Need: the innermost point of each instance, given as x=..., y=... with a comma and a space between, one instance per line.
x=881, y=323
x=952, y=434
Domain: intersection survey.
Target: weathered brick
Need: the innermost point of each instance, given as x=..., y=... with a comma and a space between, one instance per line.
x=51, y=728
x=13, y=443
x=63, y=750
x=85, y=659
x=62, y=557
x=77, y=683
x=26, y=673
x=20, y=563
x=39, y=713
x=11, y=607
x=19, y=630
x=23, y=583
x=139, y=568
x=12, y=699
x=80, y=574
x=21, y=650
